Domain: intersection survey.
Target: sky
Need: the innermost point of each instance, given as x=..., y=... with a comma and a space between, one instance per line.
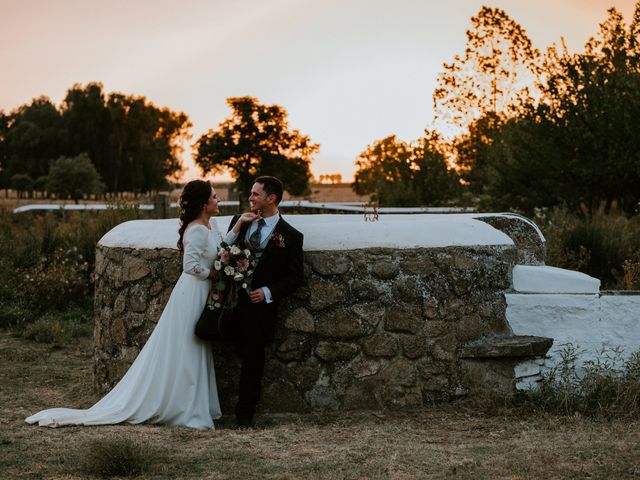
x=348, y=72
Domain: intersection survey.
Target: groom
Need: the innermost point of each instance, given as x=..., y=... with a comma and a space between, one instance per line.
x=278, y=249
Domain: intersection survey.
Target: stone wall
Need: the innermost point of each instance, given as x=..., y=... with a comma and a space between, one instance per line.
x=370, y=328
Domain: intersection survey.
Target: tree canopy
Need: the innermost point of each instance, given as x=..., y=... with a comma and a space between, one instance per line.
x=256, y=140
x=133, y=144
x=495, y=74
x=73, y=177
x=398, y=173
x=578, y=146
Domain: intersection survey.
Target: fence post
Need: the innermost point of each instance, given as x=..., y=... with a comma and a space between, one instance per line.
x=161, y=205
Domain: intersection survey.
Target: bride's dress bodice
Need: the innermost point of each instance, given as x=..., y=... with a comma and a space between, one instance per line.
x=200, y=249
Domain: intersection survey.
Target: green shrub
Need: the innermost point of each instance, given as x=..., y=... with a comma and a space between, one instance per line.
x=46, y=330
x=117, y=457
x=12, y=314
x=608, y=386
x=46, y=265
x=59, y=327
x=604, y=246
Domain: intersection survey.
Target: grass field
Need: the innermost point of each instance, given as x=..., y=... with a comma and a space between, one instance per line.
x=450, y=441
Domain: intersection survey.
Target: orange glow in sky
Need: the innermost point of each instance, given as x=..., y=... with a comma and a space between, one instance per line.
x=349, y=72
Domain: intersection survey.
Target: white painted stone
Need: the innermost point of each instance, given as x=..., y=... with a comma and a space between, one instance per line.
x=545, y=279
x=528, y=383
x=622, y=312
x=335, y=232
x=590, y=323
x=526, y=369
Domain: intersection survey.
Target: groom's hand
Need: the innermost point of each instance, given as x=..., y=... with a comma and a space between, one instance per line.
x=256, y=296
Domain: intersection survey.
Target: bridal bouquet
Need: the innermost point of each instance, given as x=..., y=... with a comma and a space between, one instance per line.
x=233, y=266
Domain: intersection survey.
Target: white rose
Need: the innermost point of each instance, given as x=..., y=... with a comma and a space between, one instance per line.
x=247, y=252
x=217, y=265
x=235, y=250
x=228, y=270
x=238, y=276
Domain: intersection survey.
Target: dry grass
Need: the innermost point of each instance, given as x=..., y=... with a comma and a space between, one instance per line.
x=454, y=441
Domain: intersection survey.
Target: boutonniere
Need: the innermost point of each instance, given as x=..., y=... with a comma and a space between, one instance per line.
x=278, y=239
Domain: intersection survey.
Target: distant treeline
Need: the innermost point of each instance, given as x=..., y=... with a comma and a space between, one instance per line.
x=132, y=144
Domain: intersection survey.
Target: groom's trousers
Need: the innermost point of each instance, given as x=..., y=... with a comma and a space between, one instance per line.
x=256, y=325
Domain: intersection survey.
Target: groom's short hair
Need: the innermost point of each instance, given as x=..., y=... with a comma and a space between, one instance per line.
x=272, y=186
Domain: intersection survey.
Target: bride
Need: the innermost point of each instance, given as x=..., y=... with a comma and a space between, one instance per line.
x=172, y=381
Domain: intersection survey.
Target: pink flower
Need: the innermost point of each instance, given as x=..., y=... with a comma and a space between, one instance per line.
x=243, y=264
x=225, y=256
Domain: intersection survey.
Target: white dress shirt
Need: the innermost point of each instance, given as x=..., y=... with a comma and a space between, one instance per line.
x=270, y=224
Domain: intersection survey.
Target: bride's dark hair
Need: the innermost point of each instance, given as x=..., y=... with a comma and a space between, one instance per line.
x=193, y=197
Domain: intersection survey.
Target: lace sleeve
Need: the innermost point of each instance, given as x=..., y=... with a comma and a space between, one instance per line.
x=195, y=243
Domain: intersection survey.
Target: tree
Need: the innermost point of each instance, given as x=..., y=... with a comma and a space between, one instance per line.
x=74, y=177
x=23, y=184
x=473, y=149
x=401, y=174
x=33, y=135
x=135, y=145
x=256, y=140
x=579, y=143
x=4, y=150
x=146, y=143
x=478, y=91
x=496, y=74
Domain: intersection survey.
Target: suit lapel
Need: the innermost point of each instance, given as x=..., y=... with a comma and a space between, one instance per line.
x=269, y=247
x=240, y=240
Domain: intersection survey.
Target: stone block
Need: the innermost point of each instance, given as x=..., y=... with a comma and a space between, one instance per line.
x=526, y=369
x=324, y=294
x=365, y=394
x=370, y=313
x=407, y=288
x=364, y=367
x=281, y=396
x=322, y=397
x=400, y=372
x=385, y=269
x=134, y=269
x=332, y=351
x=138, y=298
x=120, y=305
x=380, y=345
x=366, y=289
x=507, y=346
x=303, y=375
x=419, y=264
x=415, y=346
x=404, y=318
x=329, y=263
x=156, y=288
x=340, y=323
x=300, y=320
x=295, y=347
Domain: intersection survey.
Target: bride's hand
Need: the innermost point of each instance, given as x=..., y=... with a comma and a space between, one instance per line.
x=244, y=218
x=248, y=217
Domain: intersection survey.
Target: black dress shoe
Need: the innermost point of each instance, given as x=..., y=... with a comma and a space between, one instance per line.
x=245, y=423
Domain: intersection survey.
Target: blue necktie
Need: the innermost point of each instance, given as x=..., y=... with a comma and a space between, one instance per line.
x=254, y=239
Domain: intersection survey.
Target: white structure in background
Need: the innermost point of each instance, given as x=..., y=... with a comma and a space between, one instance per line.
x=569, y=307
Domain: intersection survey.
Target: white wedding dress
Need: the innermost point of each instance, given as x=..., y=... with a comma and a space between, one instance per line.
x=172, y=381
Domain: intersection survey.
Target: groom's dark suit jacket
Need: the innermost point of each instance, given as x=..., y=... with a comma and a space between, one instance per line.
x=279, y=268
